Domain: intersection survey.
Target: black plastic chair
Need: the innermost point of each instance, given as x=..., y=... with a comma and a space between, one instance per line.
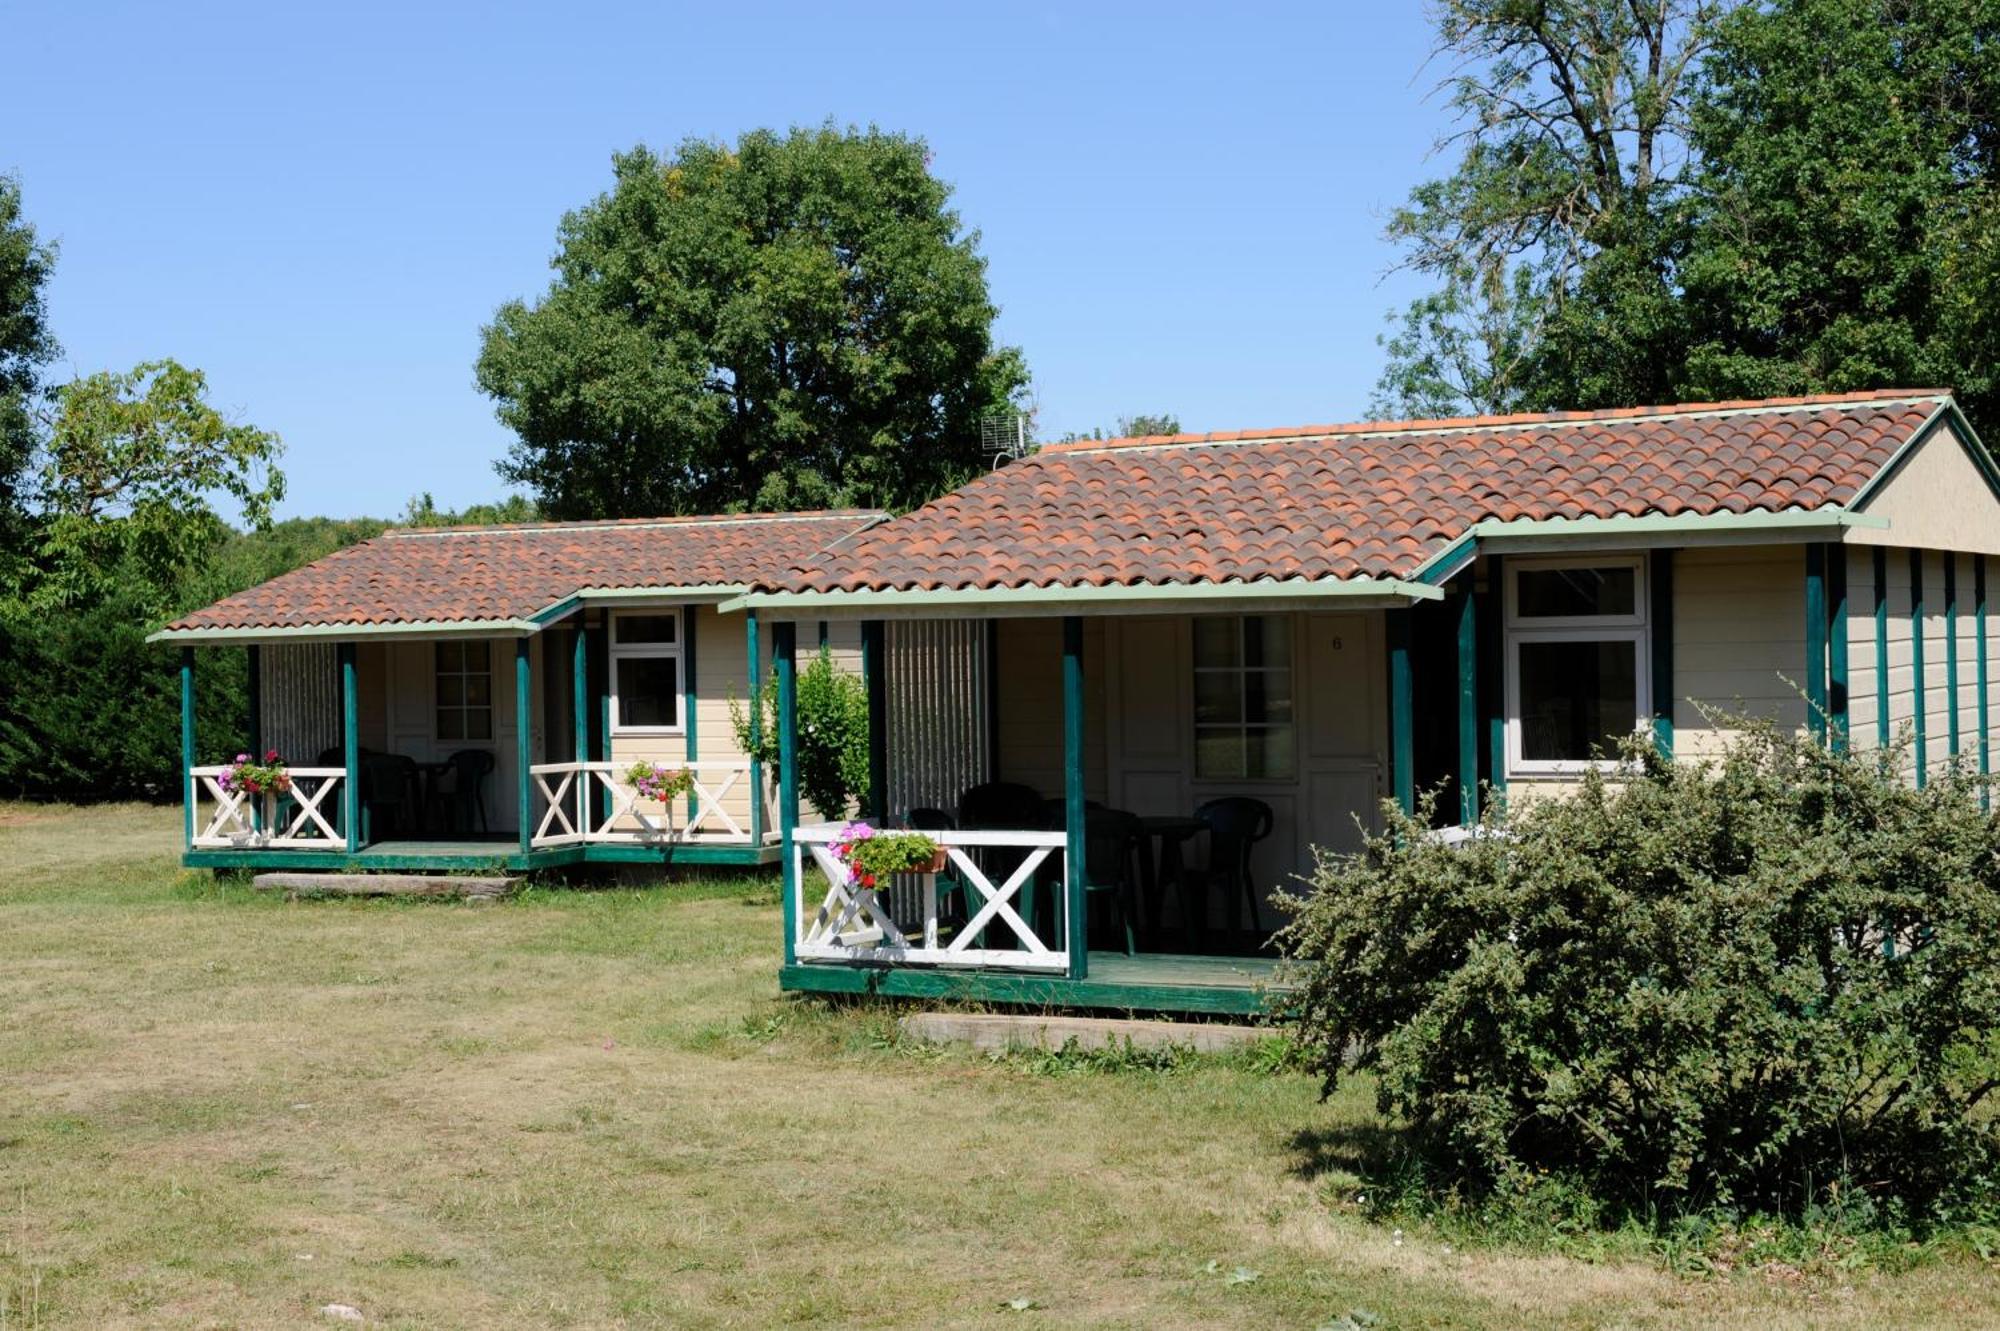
x=388, y=795
x=1235, y=823
x=467, y=796
x=1111, y=842
x=1003, y=806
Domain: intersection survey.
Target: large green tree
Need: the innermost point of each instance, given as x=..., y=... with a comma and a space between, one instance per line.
x=1817, y=210
x=1551, y=242
x=797, y=319
x=131, y=461
x=1847, y=230
x=26, y=345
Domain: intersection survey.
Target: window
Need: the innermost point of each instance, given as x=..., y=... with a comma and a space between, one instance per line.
x=465, y=690
x=1576, y=662
x=1243, y=698
x=646, y=673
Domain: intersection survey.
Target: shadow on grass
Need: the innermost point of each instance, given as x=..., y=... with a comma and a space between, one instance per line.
x=1362, y=1150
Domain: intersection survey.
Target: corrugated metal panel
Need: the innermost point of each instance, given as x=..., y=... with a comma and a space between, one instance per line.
x=301, y=700
x=936, y=693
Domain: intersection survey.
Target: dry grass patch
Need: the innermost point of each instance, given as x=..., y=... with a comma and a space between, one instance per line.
x=594, y=1110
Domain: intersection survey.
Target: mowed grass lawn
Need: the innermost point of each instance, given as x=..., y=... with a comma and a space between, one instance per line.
x=594, y=1109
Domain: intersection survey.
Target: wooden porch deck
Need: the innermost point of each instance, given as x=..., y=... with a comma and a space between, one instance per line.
x=1148, y=982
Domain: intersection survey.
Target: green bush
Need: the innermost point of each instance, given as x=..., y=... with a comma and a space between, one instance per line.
x=832, y=735
x=1745, y=986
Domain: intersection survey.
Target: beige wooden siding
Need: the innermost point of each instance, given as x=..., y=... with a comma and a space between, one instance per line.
x=1939, y=702
x=1936, y=499
x=1739, y=640
x=1029, y=688
x=721, y=674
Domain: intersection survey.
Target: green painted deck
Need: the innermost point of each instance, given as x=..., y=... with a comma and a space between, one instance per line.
x=1148, y=982
x=497, y=853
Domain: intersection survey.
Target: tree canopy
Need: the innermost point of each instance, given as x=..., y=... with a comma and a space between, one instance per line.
x=1660, y=200
x=799, y=319
x=26, y=345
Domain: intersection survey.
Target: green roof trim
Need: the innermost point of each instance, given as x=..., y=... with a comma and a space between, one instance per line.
x=464, y=628
x=1947, y=412
x=1829, y=517
x=1085, y=598
x=1441, y=567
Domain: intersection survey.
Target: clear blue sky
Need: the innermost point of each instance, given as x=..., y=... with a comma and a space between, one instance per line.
x=1182, y=206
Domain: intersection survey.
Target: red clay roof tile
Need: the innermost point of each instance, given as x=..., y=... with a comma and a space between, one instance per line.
x=459, y=574
x=1371, y=500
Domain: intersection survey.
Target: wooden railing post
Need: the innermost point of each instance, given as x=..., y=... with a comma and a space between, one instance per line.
x=785, y=647
x=754, y=655
x=187, y=744
x=873, y=640
x=350, y=743
x=1402, y=724
x=1076, y=924
x=689, y=617
x=524, y=739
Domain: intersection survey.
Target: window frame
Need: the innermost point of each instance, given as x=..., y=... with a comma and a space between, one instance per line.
x=653, y=651
x=491, y=739
x=1635, y=628
x=1242, y=728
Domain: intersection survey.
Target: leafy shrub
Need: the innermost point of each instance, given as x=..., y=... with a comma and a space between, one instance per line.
x=1745, y=985
x=832, y=753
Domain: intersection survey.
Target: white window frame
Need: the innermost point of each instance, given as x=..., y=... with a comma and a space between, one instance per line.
x=653, y=650
x=1635, y=628
x=1243, y=728
x=492, y=739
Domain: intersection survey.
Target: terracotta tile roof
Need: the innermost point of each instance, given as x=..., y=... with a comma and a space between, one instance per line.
x=454, y=574
x=1370, y=500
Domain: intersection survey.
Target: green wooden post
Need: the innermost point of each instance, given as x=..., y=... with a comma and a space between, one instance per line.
x=350, y=743
x=187, y=746
x=1468, y=707
x=1077, y=929
x=1881, y=570
x=1950, y=558
x=754, y=655
x=1917, y=659
x=253, y=658
x=524, y=741
x=688, y=709
x=1660, y=591
x=873, y=643
x=1816, y=641
x=1402, y=726
x=603, y=655
x=992, y=700
x=1979, y=660
x=1836, y=645
x=784, y=646
x=1495, y=672
x=579, y=670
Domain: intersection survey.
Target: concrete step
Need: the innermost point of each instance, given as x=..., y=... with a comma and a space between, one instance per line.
x=383, y=885
x=994, y=1031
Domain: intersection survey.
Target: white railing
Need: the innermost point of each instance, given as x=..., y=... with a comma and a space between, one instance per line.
x=854, y=923
x=305, y=819
x=572, y=807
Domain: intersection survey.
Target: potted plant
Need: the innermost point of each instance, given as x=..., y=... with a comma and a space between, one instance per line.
x=871, y=857
x=658, y=781
x=260, y=783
